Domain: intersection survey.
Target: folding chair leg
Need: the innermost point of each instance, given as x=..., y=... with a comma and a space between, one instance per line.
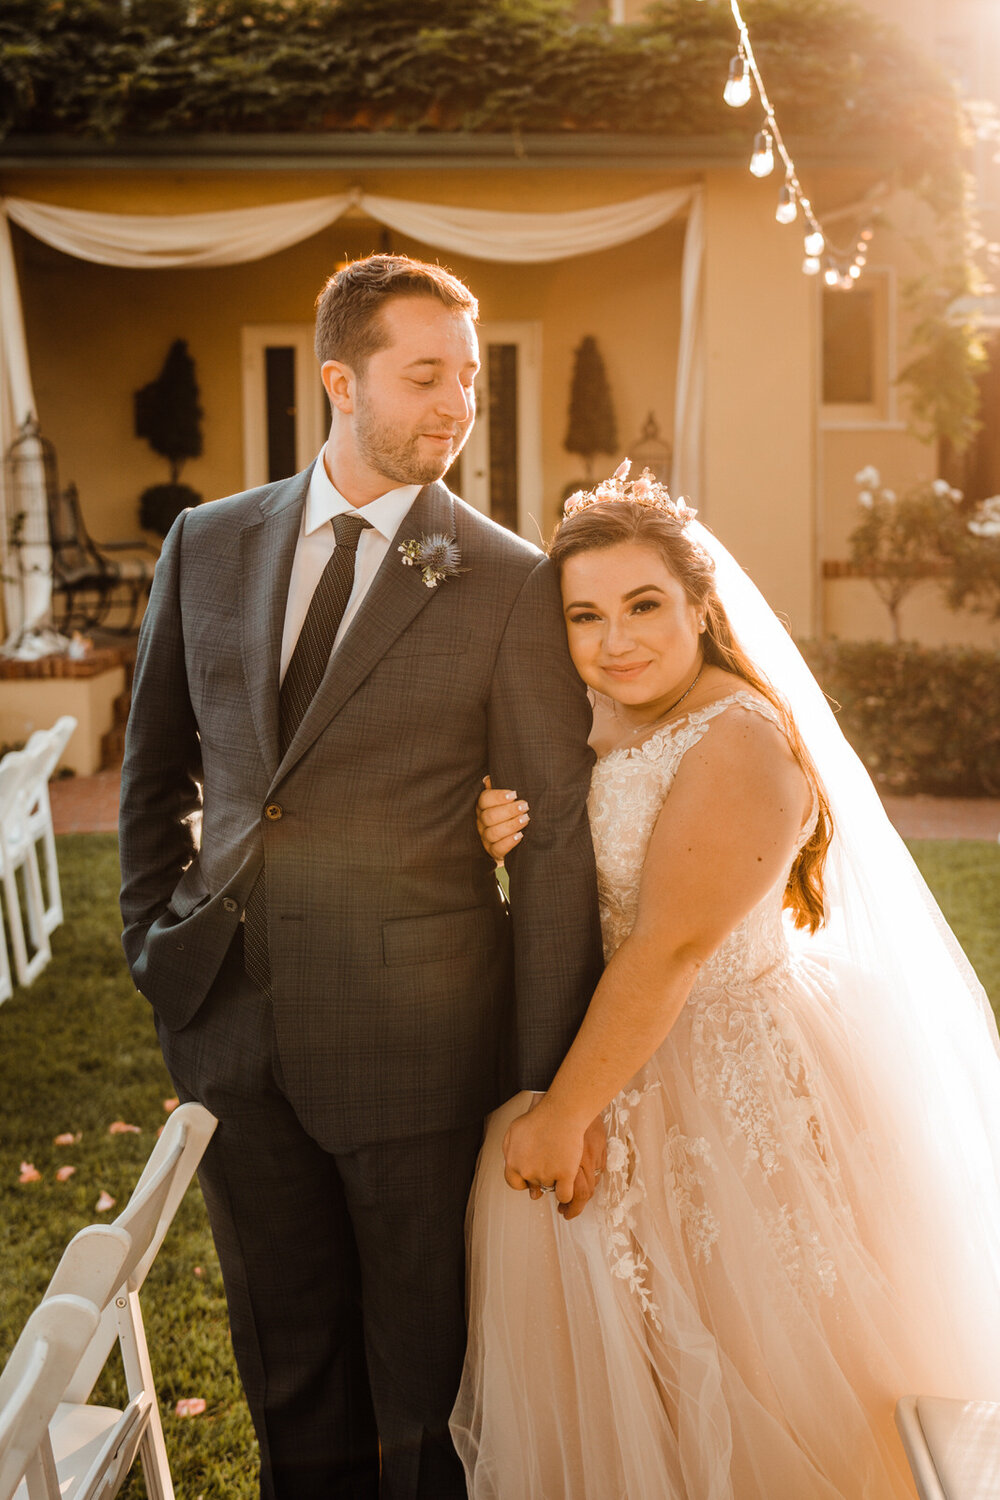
x=139, y=1374
x=52, y=908
x=27, y=970
x=6, y=982
x=41, y=1477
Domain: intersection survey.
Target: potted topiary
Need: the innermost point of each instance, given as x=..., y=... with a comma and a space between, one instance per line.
x=591, y=428
x=168, y=416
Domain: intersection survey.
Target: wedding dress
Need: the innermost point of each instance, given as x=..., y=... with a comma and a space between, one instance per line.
x=777, y=1250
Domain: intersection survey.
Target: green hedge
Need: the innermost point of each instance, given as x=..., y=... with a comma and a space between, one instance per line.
x=922, y=719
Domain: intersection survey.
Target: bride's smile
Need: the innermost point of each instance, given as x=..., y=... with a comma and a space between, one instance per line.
x=634, y=635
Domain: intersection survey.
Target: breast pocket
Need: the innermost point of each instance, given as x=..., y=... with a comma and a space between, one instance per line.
x=429, y=643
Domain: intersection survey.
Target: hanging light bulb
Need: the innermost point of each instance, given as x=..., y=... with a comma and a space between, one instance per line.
x=811, y=266
x=787, y=209
x=738, y=88
x=855, y=271
x=815, y=244
x=831, y=276
x=845, y=283
x=762, y=160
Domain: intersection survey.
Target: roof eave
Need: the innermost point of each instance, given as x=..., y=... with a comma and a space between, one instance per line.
x=353, y=150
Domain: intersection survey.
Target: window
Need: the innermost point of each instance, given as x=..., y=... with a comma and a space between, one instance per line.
x=857, y=354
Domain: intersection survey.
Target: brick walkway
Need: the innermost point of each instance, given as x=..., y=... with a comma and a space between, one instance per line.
x=85, y=804
x=89, y=804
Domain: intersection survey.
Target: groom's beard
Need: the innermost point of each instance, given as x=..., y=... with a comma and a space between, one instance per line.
x=400, y=456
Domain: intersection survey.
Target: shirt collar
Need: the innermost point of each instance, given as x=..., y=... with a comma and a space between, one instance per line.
x=324, y=501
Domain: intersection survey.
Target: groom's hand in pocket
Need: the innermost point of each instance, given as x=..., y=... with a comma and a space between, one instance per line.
x=595, y=1151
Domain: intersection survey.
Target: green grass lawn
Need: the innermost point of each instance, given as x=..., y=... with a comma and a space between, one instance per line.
x=77, y=1051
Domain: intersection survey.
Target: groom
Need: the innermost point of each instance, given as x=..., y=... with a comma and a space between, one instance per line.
x=331, y=968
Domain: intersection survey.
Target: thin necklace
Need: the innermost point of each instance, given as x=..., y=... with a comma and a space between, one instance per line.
x=668, y=711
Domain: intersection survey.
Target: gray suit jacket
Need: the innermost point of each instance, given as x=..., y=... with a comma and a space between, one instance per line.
x=406, y=998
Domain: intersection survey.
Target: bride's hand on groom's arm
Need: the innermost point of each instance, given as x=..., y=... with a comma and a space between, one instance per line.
x=500, y=819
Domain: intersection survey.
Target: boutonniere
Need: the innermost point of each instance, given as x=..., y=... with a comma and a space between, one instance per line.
x=437, y=556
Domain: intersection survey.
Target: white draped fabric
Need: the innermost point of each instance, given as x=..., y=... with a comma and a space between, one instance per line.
x=230, y=236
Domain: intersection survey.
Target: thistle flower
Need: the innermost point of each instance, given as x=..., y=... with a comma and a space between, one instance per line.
x=437, y=556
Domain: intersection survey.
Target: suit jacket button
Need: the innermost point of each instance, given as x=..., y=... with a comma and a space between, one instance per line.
x=274, y=811
x=228, y=904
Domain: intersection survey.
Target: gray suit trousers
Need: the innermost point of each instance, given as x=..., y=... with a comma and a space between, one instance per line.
x=330, y=1359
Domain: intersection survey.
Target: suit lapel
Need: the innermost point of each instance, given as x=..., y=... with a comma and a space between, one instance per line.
x=267, y=550
x=396, y=597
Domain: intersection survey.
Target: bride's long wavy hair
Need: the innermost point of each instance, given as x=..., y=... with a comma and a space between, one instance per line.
x=603, y=525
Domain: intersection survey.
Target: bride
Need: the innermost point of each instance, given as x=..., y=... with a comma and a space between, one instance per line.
x=799, y=1216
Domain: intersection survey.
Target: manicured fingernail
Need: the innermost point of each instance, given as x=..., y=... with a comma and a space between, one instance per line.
x=510, y=796
x=518, y=836
x=523, y=818
x=522, y=807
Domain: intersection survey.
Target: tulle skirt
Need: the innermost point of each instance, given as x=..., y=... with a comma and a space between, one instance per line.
x=772, y=1258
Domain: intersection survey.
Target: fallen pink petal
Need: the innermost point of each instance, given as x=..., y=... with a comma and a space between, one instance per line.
x=64, y=1174
x=29, y=1172
x=119, y=1127
x=67, y=1138
x=104, y=1202
x=190, y=1406
x=170, y=1105
x=198, y=1271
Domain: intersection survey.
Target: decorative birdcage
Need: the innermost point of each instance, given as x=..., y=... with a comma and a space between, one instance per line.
x=651, y=451
x=30, y=487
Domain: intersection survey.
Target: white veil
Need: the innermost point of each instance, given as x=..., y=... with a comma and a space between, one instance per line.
x=915, y=1018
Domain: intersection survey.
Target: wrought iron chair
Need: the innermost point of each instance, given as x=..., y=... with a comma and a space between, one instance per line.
x=87, y=580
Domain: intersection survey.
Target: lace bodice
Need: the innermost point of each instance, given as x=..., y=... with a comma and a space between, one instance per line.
x=627, y=791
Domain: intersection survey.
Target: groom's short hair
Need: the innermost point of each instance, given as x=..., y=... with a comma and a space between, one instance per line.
x=348, y=326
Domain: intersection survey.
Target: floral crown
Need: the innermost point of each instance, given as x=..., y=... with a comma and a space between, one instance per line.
x=620, y=489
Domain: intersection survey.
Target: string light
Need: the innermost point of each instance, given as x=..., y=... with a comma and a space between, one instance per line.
x=739, y=89
x=843, y=268
x=787, y=209
x=762, y=160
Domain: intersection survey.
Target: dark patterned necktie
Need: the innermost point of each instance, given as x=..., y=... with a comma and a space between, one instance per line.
x=303, y=675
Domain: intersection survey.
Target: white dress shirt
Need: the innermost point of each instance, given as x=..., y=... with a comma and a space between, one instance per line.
x=316, y=542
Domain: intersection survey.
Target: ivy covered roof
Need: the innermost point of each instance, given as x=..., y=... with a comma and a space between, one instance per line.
x=177, y=68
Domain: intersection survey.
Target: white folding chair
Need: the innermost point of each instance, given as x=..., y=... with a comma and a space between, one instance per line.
x=18, y=852
x=46, y=746
x=953, y=1446
x=31, y=1386
x=94, y=1447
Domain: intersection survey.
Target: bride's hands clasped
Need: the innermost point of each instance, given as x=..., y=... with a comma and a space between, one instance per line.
x=544, y=1151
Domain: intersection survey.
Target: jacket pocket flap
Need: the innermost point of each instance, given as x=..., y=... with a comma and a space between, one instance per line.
x=450, y=934
x=189, y=892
